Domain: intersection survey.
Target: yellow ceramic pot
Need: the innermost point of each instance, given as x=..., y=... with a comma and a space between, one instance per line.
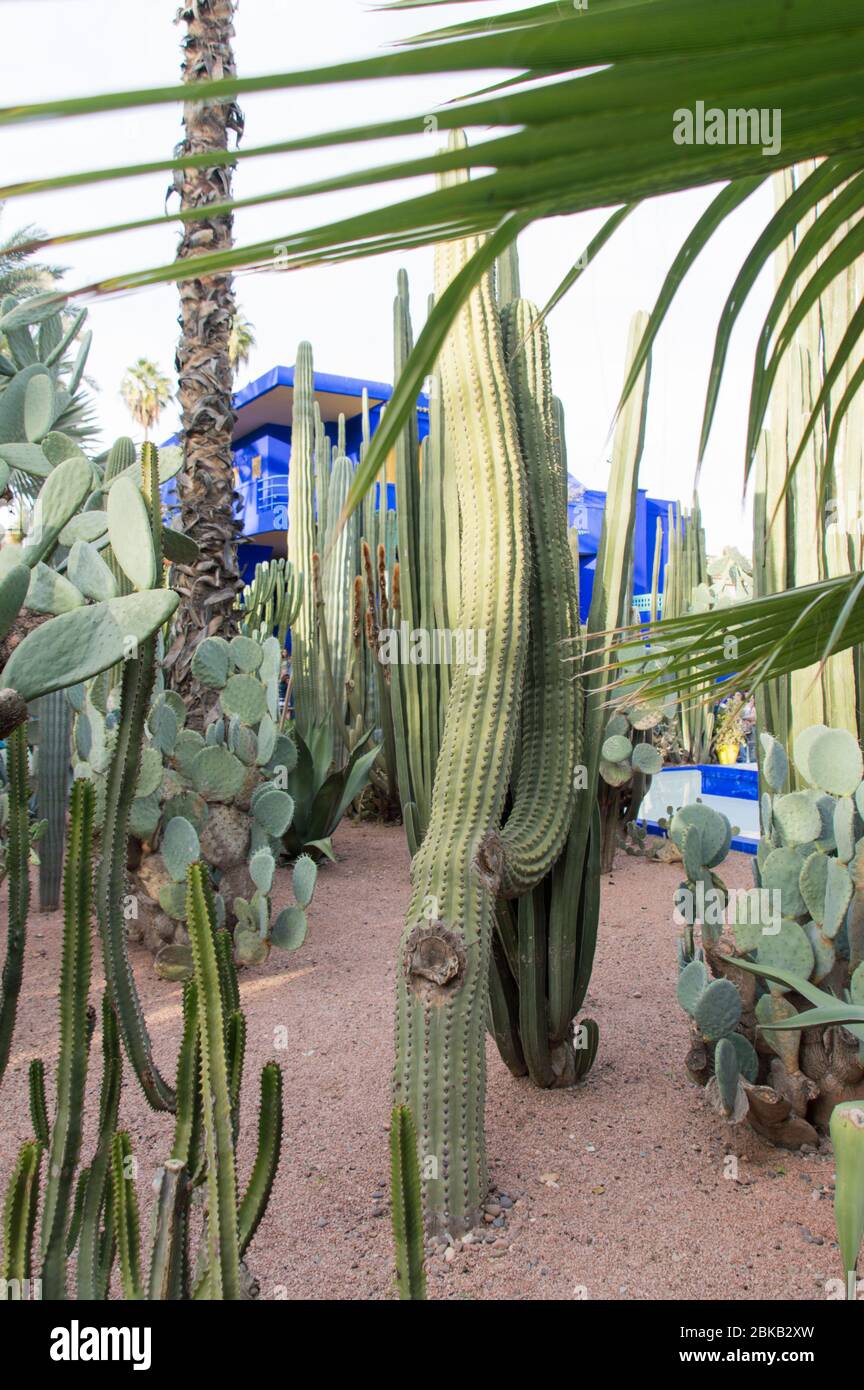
x=727, y=753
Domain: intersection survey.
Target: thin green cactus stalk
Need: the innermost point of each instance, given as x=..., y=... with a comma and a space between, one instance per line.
x=18, y=870
x=167, y=1260
x=92, y=1273
x=54, y=722
x=126, y=1223
x=189, y=1120
x=188, y=1078
x=38, y=1103
x=445, y=948
x=336, y=572
x=111, y=884
x=19, y=1219
x=235, y=1049
x=407, y=1205
x=504, y=1020
x=65, y=1146
x=73, y=1229
x=222, y=1235
x=260, y=1185
x=532, y=837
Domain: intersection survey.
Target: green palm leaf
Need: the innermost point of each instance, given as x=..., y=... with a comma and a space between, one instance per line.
x=596, y=133
x=749, y=642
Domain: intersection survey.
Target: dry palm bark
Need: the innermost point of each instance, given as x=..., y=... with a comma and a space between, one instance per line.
x=207, y=306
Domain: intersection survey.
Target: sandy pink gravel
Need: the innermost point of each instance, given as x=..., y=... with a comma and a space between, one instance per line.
x=623, y=1188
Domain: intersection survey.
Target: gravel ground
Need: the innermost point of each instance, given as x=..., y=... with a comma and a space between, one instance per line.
x=627, y=1187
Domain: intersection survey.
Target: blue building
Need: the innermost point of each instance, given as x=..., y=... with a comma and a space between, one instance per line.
x=262, y=455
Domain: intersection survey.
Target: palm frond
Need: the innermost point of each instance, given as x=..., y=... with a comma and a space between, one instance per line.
x=582, y=119
x=747, y=643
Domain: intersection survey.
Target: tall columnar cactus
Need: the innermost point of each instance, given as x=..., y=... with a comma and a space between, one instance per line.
x=18, y=869
x=544, y=945
x=136, y=534
x=806, y=524
x=52, y=783
x=309, y=699
x=445, y=948
x=95, y=1219
x=222, y=1235
x=425, y=587
x=65, y=1144
x=533, y=835
x=96, y=1238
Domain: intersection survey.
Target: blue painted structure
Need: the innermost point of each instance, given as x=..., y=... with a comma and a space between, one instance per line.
x=262, y=456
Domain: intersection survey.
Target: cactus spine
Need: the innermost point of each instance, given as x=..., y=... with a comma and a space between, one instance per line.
x=441, y=1010
x=407, y=1205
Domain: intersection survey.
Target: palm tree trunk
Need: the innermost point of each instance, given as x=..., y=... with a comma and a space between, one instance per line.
x=207, y=588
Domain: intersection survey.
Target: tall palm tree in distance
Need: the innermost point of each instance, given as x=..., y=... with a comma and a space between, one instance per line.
x=208, y=587
x=146, y=392
x=241, y=341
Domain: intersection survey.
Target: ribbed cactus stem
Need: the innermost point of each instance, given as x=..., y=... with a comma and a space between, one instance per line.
x=188, y=1078
x=125, y=1212
x=536, y=828
x=223, y=1249
x=444, y=955
x=54, y=716
x=302, y=543
x=74, y=1038
x=38, y=1103
x=93, y=1259
x=18, y=862
x=407, y=1205
x=166, y=1263
x=19, y=1220
x=260, y=1185
x=111, y=882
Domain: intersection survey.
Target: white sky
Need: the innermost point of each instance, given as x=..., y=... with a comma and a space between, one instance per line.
x=67, y=47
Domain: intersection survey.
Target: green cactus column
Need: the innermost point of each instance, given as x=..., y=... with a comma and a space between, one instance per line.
x=551, y=713
x=310, y=703
x=52, y=790
x=19, y=889
x=445, y=948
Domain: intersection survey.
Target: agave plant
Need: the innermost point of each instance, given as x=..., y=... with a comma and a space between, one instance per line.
x=321, y=792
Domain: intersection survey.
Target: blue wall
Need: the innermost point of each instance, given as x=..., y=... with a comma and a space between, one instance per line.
x=262, y=504
x=586, y=516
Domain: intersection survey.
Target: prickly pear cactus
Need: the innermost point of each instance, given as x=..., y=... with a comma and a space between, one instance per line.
x=217, y=797
x=804, y=917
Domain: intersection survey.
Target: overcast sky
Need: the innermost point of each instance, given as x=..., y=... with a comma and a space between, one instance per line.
x=66, y=47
